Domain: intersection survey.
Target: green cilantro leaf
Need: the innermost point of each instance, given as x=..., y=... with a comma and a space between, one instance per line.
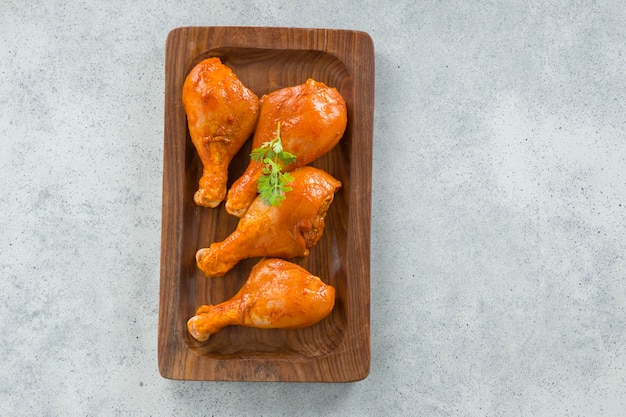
x=272, y=185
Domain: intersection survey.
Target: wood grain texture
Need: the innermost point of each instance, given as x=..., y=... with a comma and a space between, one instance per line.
x=338, y=348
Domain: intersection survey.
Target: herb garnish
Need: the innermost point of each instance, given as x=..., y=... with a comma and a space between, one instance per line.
x=272, y=185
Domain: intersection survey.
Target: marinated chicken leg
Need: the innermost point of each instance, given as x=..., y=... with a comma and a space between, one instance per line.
x=312, y=120
x=221, y=114
x=277, y=294
x=285, y=231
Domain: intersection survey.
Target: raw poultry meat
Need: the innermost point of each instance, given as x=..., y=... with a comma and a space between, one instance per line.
x=277, y=294
x=285, y=231
x=312, y=119
x=221, y=115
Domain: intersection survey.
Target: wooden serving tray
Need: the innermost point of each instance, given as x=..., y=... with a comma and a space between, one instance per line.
x=338, y=348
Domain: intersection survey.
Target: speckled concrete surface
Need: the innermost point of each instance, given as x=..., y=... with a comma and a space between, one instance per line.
x=499, y=210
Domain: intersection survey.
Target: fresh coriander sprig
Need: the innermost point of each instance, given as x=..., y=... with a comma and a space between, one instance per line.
x=272, y=185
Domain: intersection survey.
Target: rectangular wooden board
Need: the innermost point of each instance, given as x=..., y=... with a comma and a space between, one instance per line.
x=337, y=349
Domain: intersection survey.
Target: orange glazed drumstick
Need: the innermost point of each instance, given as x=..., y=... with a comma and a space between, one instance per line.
x=221, y=114
x=284, y=231
x=277, y=294
x=312, y=120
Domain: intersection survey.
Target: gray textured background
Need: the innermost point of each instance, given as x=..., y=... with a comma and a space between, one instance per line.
x=499, y=209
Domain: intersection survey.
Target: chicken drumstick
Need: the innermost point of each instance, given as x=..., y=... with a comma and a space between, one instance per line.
x=312, y=120
x=221, y=114
x=277, y=294
x=285, y=231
